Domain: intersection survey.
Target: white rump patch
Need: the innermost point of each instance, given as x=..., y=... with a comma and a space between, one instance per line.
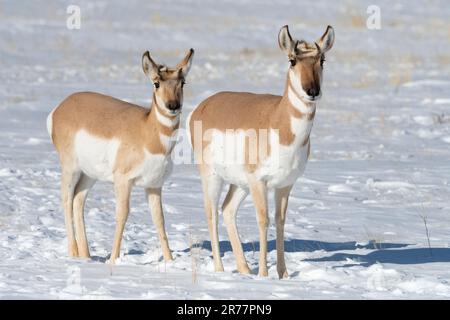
x=50, y=123
x=188, y=128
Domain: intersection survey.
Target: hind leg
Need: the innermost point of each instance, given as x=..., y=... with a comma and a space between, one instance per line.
x=81, y=191
x=69, y=179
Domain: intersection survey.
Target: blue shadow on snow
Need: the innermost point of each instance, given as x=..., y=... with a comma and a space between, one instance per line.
x=298, y=245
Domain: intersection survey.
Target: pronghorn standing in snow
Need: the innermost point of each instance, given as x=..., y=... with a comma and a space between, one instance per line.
x=102, y=138
x=287, y=119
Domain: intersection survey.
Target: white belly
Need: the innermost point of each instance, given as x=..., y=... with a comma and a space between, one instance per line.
x=283, y=166
x=96, y=157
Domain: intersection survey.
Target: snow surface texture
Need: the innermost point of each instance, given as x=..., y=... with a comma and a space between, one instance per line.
x=380, y=150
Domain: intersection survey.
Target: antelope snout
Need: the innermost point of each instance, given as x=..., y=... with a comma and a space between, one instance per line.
x=313, y=93
x=173, y=106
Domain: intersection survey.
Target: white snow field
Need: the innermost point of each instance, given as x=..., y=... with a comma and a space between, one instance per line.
x=376, y=185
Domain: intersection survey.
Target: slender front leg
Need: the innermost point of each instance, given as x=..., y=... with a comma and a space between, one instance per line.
x=258, y=190
x=281, y=203
x=234, y=198
x=154, y=200
x=122, y=188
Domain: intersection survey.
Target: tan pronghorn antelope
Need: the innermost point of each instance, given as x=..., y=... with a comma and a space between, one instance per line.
x=284, y=121
x=102, y=138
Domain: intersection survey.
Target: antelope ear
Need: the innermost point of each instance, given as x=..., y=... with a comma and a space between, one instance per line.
x=185, y=65
x=287, y=45
x=326, y=40
x=148, y=65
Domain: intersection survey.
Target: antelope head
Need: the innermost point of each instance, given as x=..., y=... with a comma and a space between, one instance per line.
x=306, y=62
x=168, y=82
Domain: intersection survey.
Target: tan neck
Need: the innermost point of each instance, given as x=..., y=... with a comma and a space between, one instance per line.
x=160, y=124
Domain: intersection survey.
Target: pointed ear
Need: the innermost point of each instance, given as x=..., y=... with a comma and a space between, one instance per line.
x=185, y=65
x=287, y=45
x=326, y=40
x=148, y=65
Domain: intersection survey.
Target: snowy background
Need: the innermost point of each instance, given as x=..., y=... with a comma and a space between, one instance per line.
x=380, y=165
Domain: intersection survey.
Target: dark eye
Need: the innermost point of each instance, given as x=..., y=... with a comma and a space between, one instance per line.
x=293, y=62
x=156, y=84
x=183, y=83
x=322, y=60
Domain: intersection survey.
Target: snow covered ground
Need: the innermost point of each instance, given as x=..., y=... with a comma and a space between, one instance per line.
x=380, y=165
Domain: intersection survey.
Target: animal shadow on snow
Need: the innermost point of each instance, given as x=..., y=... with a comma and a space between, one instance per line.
x=383, y=252
x=298, y=245
x=403, y=256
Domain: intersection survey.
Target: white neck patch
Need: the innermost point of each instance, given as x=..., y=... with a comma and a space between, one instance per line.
x=164, y=120
x=298, y=103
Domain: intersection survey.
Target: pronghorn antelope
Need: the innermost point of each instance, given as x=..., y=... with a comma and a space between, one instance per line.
x=102, y=138
x=287, y=119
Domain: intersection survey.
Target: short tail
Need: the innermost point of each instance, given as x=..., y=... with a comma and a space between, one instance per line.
x=50, y=124
x=188, y=128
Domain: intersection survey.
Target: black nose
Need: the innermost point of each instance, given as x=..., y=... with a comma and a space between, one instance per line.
x=313, y=92
x=173, y=105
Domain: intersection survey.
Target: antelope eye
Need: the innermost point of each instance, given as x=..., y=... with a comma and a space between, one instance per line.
x=156, y=84
x=322, y=60
x=293, y=62
x=183, y=83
